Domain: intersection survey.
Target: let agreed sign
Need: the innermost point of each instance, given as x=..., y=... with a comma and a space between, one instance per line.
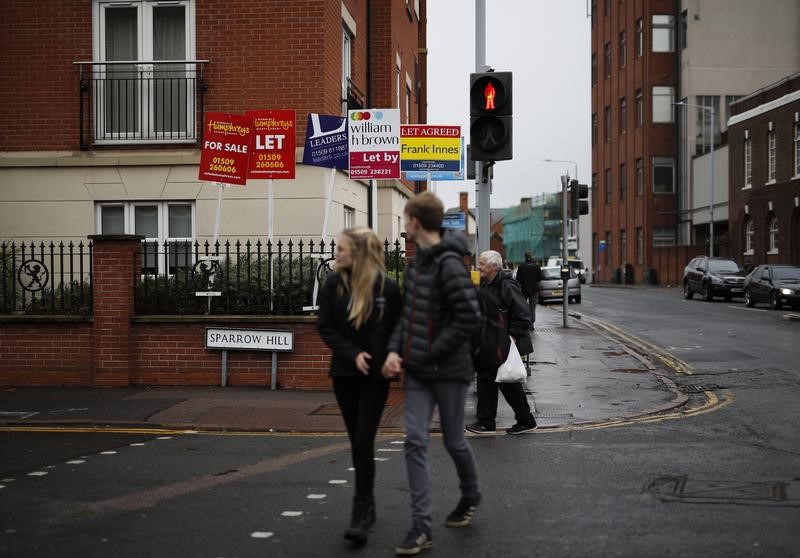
x=430, y=148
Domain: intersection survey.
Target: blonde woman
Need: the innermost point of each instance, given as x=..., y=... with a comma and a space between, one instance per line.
x=358, y=308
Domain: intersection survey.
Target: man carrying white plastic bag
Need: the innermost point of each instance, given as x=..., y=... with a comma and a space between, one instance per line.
x=501, y=301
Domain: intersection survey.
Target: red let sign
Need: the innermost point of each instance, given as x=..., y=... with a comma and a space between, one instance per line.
x=272, y=149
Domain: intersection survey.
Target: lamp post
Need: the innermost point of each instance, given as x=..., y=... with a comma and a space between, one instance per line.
x=577, y=218
x=711, y=206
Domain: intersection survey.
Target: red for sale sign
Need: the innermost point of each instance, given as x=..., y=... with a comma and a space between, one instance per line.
x=226, y=144
x=272, y=149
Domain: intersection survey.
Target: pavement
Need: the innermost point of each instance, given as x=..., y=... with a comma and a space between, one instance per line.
x=581, y=376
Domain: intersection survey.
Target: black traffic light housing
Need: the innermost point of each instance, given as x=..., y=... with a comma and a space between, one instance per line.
x=578, y=199
x=490, y=110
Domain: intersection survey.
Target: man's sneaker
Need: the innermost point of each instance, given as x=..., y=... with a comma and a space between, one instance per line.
x=417, y=539
x=464, y=512
x=478, y=428
x=521, y=428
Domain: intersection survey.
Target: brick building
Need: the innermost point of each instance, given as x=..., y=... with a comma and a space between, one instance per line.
x=764, y=139
x=102, y=103
x=660, y=70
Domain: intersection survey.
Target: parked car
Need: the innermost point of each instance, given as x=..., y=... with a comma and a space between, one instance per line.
x=575, y=263
x=774, y=284
x=712, y=277
x=551, y=286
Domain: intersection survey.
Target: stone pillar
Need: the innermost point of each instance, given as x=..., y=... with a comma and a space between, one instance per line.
x=114, y=269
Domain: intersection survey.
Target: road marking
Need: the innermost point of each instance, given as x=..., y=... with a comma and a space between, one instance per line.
x=390, y=449
x=743, y=307
x=381, y=459
x=168, y=437
x=149, y=497
x=261, y=534
x=137, y=445
x=291, y=513
x=316, y=496
x=109, y=452
x=37, y=474
x=76, y=462
x=337, y=481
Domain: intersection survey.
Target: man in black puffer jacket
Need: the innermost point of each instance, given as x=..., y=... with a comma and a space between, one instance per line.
x=431, y=344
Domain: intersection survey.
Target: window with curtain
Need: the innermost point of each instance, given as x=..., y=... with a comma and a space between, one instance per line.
x=623, y=115
x=607, y=59
x=594, y=68
x=594, y=128
x=623, y=49
x=147, y=99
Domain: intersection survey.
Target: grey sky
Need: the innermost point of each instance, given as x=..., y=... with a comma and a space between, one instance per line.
x=546, y=44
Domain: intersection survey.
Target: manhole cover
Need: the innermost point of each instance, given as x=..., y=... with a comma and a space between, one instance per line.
x=684, y=489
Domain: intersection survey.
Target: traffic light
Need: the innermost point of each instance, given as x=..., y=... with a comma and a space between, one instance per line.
x=578, y=199
x=490, y=110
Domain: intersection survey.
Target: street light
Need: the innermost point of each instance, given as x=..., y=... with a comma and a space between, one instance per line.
x=563, y=161
x=711, y=206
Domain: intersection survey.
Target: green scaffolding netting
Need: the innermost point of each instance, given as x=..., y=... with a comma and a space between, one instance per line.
x=533, y=226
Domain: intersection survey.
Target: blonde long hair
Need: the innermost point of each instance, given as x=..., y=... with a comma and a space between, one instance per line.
x=359, y=280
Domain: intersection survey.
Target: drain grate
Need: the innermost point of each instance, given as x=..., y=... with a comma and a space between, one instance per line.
x=691, y=491
x=553, y=415
x=697, y=388
x=544, y=330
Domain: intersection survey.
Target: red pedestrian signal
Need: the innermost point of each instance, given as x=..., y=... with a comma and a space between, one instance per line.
x=491, y=116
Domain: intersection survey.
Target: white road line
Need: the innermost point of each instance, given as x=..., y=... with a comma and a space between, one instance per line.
x=110, y=452
x=37, y=474
x=397, y=442
x=292, y=513
x=76, y=462
x=389, y=449
x=316, y=496
x=164, y=438
x=7, y=480
x=351, y=468
x=337, y=481
x=261, y=534
x=137, y=445
x=2, y=486
x=381, y=459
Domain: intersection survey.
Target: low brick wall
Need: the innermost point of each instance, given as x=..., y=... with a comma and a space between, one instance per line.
x=51, y=350
x=114, y=347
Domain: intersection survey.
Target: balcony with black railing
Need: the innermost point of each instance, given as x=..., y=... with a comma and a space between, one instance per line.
x=140, y=102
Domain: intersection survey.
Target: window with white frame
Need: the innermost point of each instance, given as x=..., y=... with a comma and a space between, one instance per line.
x=748, y=238
x=347, y=50
x=145, y=99
x=707, y=133
x=773, y=235
x=663, y=236
x=663, y=175
x=349, y=217
x=748, y=163
x=663, y=33
x=663, y=99
x=167, y=225
x=771, y=156
x=797, y=148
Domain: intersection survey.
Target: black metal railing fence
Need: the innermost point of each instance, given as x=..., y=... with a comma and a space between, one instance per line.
x=239, y=278
x=46, y=278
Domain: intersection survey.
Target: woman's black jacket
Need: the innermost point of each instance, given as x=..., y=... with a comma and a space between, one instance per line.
x=346, y=341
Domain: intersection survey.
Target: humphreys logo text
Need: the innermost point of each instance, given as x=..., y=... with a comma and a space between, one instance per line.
x=228, y=128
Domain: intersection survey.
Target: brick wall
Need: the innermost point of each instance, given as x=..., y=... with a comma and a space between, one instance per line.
x=116, y=348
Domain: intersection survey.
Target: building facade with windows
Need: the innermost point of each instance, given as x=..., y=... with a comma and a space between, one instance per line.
x=103, y=105
x=764, y=138
x=658, y=66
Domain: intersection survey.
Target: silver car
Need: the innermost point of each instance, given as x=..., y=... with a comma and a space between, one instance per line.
x=551, y=286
